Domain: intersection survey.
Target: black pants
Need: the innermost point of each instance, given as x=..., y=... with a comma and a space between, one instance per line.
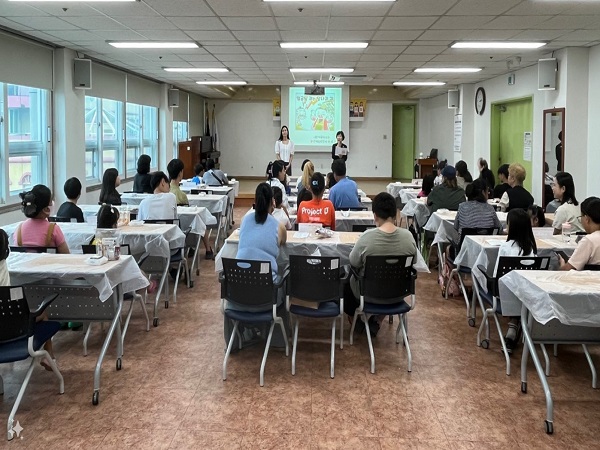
x=289, y=168
x=350, y=301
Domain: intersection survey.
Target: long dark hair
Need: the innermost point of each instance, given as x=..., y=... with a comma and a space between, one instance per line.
x=143, y=164
x=109, y=185
x=34, y=201
x=281, y=133
x=476, y=191
x=108, y=216
x=520, y=231
x=276, y=168
x=565, y=180
x=263, y=199
x=463, y=171
x=428, y=182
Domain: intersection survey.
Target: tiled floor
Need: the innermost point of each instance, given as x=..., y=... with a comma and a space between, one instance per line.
x=170, y=393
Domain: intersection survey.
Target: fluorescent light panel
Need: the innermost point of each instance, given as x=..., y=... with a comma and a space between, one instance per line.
x=324, y=45
x=419, y=83
x=221, y=83
x=196, y=69
x=153, y=44
x=320, y=70
x=448, y=69
x=73, y=1
x=498, y=45
x=319, y=83
x=327, y=1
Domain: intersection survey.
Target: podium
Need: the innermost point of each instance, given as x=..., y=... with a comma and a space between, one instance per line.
x=426, y=166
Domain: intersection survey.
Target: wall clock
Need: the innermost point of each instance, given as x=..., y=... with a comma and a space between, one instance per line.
x=480, y=101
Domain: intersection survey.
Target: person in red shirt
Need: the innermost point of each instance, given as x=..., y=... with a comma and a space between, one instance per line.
x=317, y=210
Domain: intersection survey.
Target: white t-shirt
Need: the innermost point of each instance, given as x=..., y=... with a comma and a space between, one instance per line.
x=274, y=182
x=509, y=248
x=568, y=212
x=282, y=217
x=284, y=150
x=587, y=251
x=158, y=206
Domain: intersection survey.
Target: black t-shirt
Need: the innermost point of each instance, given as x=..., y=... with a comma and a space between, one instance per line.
x=519, y=197
x=70, y=210
x=500, y=189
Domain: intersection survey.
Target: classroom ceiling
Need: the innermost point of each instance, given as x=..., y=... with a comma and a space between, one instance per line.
x=243, y=35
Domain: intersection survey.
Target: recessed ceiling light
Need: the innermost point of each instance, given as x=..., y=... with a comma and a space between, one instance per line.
x=153, y=44
x=419, y=83
x=319, y=83
x=320, y=70
x=498, y=45
x=196, y=69
x=221, y=83
x=323, y=45
x=448, y=69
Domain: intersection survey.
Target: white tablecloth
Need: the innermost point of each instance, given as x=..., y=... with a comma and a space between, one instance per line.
x=26, y=268
x=442, y=224
x=408, y=194
x=572, y=297
x=341, y=244
x=394, y=188
x=214, y=203
x=418, y=209
x=344, y=220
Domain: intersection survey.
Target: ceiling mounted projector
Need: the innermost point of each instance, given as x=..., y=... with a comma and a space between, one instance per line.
x=314, y=89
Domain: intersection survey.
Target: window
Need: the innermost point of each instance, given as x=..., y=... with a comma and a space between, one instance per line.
x=103, y=136
x=141, y=135
x=25, y=134
x=180, y=133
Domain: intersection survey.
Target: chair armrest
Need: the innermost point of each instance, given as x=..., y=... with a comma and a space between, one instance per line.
x=283, y=279
x=492, y=283
x=345, y=273
x=42, y=307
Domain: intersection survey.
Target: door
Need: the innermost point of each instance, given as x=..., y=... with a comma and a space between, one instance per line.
x=510, y=121
x=403, y=141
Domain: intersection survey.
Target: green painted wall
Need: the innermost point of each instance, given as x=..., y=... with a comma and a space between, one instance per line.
x=403, y=141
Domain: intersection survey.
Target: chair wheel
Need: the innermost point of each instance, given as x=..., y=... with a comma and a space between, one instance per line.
x=524, y=387
x=155, y=322
x=95, y=398
x=471, y=322
x=119, y=364
x=549, y=427
x=485, y=344
x=167, y=304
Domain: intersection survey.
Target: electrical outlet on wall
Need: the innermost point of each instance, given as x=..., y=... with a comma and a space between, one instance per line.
x=384, y=137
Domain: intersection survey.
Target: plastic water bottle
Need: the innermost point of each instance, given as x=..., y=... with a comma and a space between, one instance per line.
x=567, y=230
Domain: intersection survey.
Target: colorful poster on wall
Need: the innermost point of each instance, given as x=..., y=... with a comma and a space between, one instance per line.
x=276, y=108
x=358, y=107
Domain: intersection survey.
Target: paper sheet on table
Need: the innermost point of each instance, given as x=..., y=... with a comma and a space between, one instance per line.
x=301, y=235
x=495, y=242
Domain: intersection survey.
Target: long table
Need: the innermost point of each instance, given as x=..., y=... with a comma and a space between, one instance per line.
x=344, y=220
x=215, y=203
x=442, y=224
x=394, y=188
x=364, y=201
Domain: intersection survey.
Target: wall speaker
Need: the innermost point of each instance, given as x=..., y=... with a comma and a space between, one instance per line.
x=453, y=97
x=174, y=98
x=82, y=73
x=547, y=69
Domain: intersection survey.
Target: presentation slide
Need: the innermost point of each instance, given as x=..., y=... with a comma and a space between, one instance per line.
x=315, y=119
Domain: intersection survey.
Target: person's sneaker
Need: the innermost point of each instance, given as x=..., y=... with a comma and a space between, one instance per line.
x=173, y=273
x=209, y=254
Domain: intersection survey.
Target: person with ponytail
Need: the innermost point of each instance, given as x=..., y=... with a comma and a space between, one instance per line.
x=317, y=210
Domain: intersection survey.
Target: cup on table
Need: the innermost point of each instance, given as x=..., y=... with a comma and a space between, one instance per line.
x=567, y=230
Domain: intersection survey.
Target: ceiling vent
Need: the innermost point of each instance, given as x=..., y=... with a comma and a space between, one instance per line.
x=350, y=78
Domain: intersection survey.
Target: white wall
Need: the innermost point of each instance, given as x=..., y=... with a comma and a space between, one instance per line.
x=593, y=121
x=436, y=127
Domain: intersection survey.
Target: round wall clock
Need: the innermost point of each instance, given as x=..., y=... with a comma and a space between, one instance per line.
x=480, y=101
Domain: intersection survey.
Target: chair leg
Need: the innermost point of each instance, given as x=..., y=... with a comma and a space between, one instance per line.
x=279, y=321
x=15, y=407
x=555, y=350
x=294, y=346
x=398, y=330
x=188, y=273
x=503, y=342
x=229, y=346
x=546, y=359
x=482, y=326
x=128, y=318
x=405, y=337
x=142, y=300
x=372, y=353
x=352, y=328
x=86, y=337
x=177, y=282
x=342, y=331
x=239, y=335
x=592, y=367
x=464, y=292
x=332, y=363
x=264, y=360
x=161, y=286
x=452, y=273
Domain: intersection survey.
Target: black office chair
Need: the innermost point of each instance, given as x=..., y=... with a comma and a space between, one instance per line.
x=24, y=249
x=354, y=208
x=359, y=228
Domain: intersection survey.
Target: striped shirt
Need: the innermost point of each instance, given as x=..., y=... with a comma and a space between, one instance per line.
x=474, y=214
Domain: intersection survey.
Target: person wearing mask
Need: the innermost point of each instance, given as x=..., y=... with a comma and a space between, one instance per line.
x=317, y=210
x=385, y=239
x=569, y=210
x=440, y=167
x=517, y=196
x=345, y=192
x=486, y=174
x=161, y=205
x=284, y=149
x=304, y=181
x=427, y=186
x=503, y=186
x=463, y=176
x=276, y=177
x=476, y=212
x=108, y=192
x=199, y=171
x=278, y=212
x=536, y=214
x=339, y=150
x=141, y=181
x=447, y=195
x=588, y=249
x=69, y=209
x=212, y=176
x=175, y=170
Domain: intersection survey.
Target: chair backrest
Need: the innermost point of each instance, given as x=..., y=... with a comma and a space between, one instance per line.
x=248, y=283
x=61, y=219
x=474, y=232
x=360, y=227
x=194, y=191
x=388, y=279
x=163, y=221
x=314, y=278
x=14, y=314
x=91, y=249
x=509, y=263
x=354, y=208
x=22, y=249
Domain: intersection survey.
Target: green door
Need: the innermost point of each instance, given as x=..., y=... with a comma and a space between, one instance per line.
x=403, y=141
x=510, y=121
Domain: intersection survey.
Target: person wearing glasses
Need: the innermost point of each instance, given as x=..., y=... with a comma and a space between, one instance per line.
x=588, y=249
x=569, y=210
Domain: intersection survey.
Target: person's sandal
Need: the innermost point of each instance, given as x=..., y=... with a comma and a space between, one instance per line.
x=209, y=254
x=46, y=364
x=153, y=287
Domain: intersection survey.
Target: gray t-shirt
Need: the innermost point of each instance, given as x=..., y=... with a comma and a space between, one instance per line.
x=379, y=243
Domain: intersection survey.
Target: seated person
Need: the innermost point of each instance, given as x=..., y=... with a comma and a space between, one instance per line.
x=517, y=196
x=278, y=212
x=212, y=176
x=569, y=210
x=304, y=196
x=345, y=193
x=4, y=252
x=476, y=212
x=447, y=195
x=427, y=186
x=141, y=181
x=276, y=177
x=486, y=174
x=304, y=180
x=161, y=205
x=588, y=249
x=199, y=171
x=385, y=239
x=175, y=170
x=108, y=193
x=463, y=176
x=503, y=186
x=536, y=214
x=36, y=231
x=69, y=209
x=440, y=167
x=317, y=210
x=330, y=180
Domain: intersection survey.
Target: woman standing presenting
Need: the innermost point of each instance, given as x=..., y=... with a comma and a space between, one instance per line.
x=284, y=149
x=339, y=150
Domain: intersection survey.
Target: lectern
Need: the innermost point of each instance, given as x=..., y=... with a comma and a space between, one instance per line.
x=426, y=166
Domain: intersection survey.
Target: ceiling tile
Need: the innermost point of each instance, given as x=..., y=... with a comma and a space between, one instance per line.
x=421, y=7
x=378, y=57
x=566, y=22
x=539, y=35
x=492, y=35
x=349, y=35
x=401, y=35
x=461, y=22
x=206, y=36
x=257, y=35
x=407, y=23
x=516, y=22
x=231, y=57
x=270, y=57
x=73, y=35
x=482, y=7
x=354, y=23
x=95, y=23
x=20, y=9
x=259, y=49
x=44, y=23
x=443, y=35
x=226, y=8
x=373, y=49
x=184, y=8
x=308, y=10
x=302, y=23
x=165, y=35
x=197, y=23
x=413, y=58
x=582, y=35
x=224, y=49
x=249, y=23
x=146, y=22
x=136, y=9
x=359, y=10
x=118, y=35
x=424, y=50
x=302, y=36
